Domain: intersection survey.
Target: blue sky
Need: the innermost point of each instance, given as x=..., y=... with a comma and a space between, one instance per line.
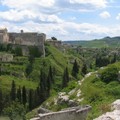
x=64, y=19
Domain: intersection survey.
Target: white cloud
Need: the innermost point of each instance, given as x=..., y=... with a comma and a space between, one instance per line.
x=66, y=30
x=25, y=15
x=105, y=15
x=118, y=16
x=23, y=4
x=95, y=3
x=40, y=16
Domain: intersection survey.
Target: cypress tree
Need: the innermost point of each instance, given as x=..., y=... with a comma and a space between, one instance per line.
x=42, y=87
x=48, y=84
x=0, y=69
x=84, y=69
x=51, y=74
x=65, y=78
x=75, y=69
x=29, y=69
x=24, y=95
x=1, y=101
x=37, y=96
x=30, y=99
x=19, y=95
x=13, y=91
x=67, y=75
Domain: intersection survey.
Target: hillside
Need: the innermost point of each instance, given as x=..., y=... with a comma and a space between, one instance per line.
x=112, y=42
x=59, y=80
x=98, y=89
x=24, y=74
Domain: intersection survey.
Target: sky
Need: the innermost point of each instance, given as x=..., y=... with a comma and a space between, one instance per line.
x=63, y=19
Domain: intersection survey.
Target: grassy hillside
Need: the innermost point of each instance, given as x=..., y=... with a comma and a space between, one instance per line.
x=16, y=70
x=101, y=89
x=98, y=43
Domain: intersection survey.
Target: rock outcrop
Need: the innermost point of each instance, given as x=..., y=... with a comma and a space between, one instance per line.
x=114, y=114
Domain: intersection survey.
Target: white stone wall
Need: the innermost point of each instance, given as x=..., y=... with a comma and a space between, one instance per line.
x=70, y=114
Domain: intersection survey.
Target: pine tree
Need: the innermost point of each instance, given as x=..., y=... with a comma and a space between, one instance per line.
x=19, y=94
x=24, y=95
x=75, y=69
x=13, y=91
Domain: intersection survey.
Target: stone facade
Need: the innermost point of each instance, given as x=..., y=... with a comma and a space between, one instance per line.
x=23, y=39
x=74, y=113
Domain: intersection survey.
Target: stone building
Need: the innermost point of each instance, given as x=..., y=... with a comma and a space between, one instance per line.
x=23, y=39
x=27, y=38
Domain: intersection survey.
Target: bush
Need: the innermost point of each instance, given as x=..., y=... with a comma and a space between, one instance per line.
x=15, y=111
x=109, y=74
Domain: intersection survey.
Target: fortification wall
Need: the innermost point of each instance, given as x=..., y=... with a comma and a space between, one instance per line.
x=76, y=113
x=24, y=40
x=27, y=38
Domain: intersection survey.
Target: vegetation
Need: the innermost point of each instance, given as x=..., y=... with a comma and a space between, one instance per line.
x=106, y=42
x=33, y=76
x=101, y=89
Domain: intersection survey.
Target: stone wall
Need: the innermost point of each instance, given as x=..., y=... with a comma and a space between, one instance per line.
x=74, y=113
x=4, y=37
x=6, y=57
x=24, y=40
x=27, y=38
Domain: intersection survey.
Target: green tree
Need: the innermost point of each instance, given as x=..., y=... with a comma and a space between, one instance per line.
x=84, y=69
x=65, y=78
x=1, y=101
x=13, y=91
x=24, y=95
x=42, y=86
x=34, y=51
x=29, y=69
x=18, y=51
x=114, y=59
x=75, y=69
x=15, y=111
x=19, y=94
x=31, y=59
x=51, y=74
x=109, y=74
x=48, y=84
x=53, y=38
x=30, y=99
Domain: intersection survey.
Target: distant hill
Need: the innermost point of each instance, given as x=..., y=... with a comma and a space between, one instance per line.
x=98, y=43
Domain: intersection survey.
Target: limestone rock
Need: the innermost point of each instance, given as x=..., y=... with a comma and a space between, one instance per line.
x=114, y=115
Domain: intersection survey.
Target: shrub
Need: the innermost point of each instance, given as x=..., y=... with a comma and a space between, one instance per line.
x=109, y=74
